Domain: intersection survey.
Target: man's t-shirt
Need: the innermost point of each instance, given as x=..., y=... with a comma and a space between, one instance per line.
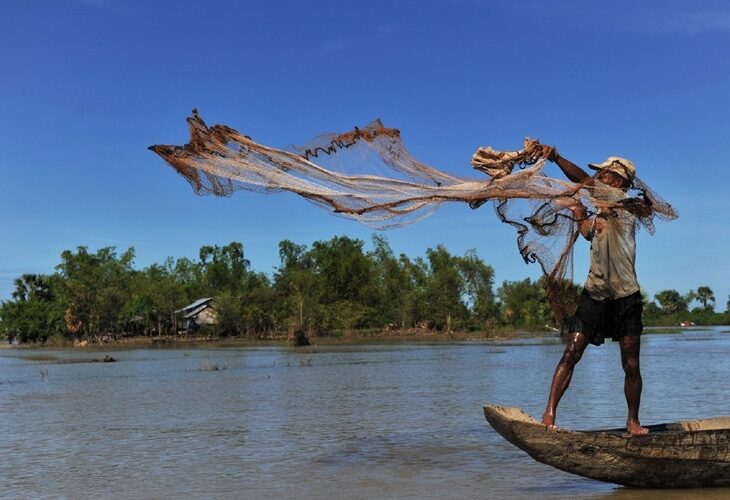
x=613, y=252
x=613, y=256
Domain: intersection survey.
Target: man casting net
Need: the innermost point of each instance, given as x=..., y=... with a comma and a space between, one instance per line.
x=336, y=172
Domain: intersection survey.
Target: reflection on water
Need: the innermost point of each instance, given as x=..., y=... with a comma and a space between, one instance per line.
x=361, y=421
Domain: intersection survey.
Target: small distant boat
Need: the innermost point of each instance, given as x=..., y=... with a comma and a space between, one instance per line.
x=686, y=454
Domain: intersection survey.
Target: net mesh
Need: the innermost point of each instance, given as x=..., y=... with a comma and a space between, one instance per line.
x=340, y=173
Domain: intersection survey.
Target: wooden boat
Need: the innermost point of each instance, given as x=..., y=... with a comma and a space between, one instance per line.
x=686, y=454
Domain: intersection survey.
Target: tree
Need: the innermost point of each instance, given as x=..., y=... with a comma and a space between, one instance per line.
x=224, y=268
x=392, y=285
x=34, y=315
x=258, y=306
x=704, y=296
x=671, y=301
x=95, y=288
x=346, y=284
x=343, y=267
x=478, y=280
x=445, y=289
x=189, y=275
x=415, y=301
x=651, y=309
x=294, y=282
x=156, y=295
x=523, y=304
x=229, y=316
x=31, y=286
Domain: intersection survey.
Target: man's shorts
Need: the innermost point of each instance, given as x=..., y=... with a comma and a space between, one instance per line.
x=601, y=319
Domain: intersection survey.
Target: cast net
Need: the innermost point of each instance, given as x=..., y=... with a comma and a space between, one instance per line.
x=366, y=174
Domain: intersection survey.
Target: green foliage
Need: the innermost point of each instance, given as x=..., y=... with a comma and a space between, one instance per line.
x=230, y=317
x=415, y=305
x=156, y=294
x=478, y=280
x=95, y=287
x=344, y=315
x=34, y=315
x=328, y=288
x=393, y=285
x=672, y=302
x=257, y=305
x=444, y=290
x=32, y=320
x=343, y=270
x=224, y=268
x=523, y=304
x=706, y=297
x=295, y=285
x=31, y=287
x=673, y=308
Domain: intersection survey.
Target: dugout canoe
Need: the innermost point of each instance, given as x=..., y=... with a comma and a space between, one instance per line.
x=685, y=454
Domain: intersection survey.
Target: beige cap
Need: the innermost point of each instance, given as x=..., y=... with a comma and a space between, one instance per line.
x=619, y=166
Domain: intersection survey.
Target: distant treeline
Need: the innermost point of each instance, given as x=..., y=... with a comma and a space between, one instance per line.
x=328, y=287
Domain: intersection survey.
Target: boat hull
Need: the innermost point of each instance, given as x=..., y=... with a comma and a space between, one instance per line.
x=671, y=456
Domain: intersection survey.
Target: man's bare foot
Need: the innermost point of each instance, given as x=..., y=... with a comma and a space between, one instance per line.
x=635, y=428
x=548, y=419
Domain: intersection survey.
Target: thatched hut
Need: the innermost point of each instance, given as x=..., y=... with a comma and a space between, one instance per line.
x=200, y=313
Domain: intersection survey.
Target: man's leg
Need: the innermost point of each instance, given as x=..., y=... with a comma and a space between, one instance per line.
x=630, y=347
x=577, y=343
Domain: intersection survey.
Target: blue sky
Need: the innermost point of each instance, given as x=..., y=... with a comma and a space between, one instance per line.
x=87, y=85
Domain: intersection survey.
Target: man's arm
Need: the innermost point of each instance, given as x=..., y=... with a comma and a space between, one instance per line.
x=570, y=169
x=586, y=225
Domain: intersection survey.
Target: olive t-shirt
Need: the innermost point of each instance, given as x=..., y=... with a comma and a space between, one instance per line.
x=613, y=256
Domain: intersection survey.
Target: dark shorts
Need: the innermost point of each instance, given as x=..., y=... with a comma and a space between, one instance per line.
x=601, y=319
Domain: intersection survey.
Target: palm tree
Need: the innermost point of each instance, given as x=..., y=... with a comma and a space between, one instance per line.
x=30, y=286
x=705, y=295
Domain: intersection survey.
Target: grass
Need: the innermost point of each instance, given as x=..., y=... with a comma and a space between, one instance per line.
x=208, y=366
x=668, y=330
x=41, y=357
x=43, y=369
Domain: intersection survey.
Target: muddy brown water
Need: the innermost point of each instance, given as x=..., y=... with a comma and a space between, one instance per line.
x=332, y=422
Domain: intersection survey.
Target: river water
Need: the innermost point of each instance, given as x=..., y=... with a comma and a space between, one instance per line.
x=328, y=422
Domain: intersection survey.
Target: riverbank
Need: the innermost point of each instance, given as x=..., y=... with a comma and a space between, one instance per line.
x=339, y=338
x=355, y=337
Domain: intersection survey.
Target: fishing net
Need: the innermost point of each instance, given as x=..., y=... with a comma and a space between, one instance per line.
x=341, y=172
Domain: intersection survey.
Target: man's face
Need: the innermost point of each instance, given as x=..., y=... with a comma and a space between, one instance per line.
x=612, y=179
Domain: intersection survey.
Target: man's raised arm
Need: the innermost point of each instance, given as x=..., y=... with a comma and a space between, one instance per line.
x=570, y=169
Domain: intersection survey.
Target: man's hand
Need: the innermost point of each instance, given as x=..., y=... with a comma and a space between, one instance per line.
x=580, y=212
x=548, y=152
x=586, y=225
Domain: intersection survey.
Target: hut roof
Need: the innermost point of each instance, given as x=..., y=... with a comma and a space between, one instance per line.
x=195, y=307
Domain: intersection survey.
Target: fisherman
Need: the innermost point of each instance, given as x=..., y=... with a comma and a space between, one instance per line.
x=611, y=304
x=219, y=160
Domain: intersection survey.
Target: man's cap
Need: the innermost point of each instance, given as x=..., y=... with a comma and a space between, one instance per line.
x=619, y=166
